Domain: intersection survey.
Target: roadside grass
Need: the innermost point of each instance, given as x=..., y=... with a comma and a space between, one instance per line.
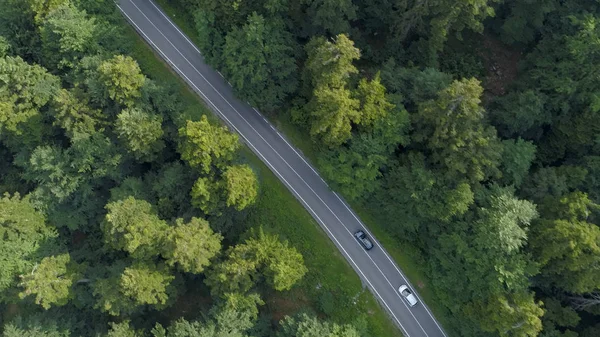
x=406, y=255
x=331, y=287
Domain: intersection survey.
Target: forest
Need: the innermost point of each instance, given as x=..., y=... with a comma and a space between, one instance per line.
x=465, y=131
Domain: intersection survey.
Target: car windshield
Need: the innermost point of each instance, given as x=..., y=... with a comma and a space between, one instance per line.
x=405, y=292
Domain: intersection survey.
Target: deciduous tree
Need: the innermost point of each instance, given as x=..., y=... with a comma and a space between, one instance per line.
x=122, y=78
x=262, y=254
x=140, y=132
x=191, y=245
x=51, y=281
x=241, y=186
x=452, y=127
x=133, y=226
x=67, y=35
x=205, y=146
x=22, y=231
x=304, y=325
x=25, y=91
x=259, y=61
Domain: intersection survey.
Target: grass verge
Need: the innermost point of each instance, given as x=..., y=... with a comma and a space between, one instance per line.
x=331, y=287
x=406, y=255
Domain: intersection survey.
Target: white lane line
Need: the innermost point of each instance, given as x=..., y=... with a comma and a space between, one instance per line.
x=240, y=115
x=391, y=261
x=174, y=25
x=220, y=74
x=265, y=160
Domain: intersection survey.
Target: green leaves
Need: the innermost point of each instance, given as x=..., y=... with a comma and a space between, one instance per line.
x=304, y=325
x=122, y=78
x=141, y=133
x=241, y=186
x=22, y=231
x=25, y=90
x=333, y=111
x=330, y=62
x=567, y=246
x=264, y=255
x=51, y=281
x=205, y=146
x=128, y=288
x=191, y=245
x=259, y=61
x=67, y=35
x=374, y=104
x=133, y=226
x=452, y=128
x=146, y=284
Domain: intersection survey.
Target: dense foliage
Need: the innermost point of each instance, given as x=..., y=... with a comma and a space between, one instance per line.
x=493, y=177
x=115, y=196
x=109, y=190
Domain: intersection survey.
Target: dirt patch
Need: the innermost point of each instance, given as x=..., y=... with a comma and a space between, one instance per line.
x=283, y=305
x=501, y=63
x=77, y=238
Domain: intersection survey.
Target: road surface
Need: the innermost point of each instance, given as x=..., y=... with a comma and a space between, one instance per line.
x=375, y=267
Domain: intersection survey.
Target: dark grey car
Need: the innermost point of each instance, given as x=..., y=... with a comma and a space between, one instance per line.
x=364, y=240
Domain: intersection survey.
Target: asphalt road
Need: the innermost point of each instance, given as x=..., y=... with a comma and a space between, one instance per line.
x=375, y=267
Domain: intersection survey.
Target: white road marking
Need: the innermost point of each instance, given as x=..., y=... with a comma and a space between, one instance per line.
x=290, y=146
x=264, y=159
x=391, y=261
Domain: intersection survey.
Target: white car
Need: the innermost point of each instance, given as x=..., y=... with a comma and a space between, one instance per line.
x=408, y=296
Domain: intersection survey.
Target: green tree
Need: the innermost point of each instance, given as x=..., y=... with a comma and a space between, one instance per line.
x=4, y=46
x=67, y=35
x=262, y=254
x=259, y=61
x=210, y=38
x=329, y=17
x=518, y=113
x=140, y=132
x=123, y=329
x=41, y=8
x=231, y=317
x=452, y=127
x=51, y=281
x=133, y=226
x=146, y=284
x=74, y=115
x=122, y=78
x=304, y=325
x=373, y=102
x=191, y=245
x=413, y=85
x=206, y=196
x=525, y=19
x=25, y=91
x=556, y=318
x=129, y=288
x=205, y=146
x=333, y=111
x=414, y=196
x=18, y=27
x=330, y=62
x=454, y=16
x=429, y=24
x=22, y=231
x=515, y=315
x=566, y=245
x=12, y=330
x=241, y=186
x=517, y=156
x=171, y=187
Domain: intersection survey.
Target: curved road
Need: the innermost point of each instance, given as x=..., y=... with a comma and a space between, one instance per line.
x=375, y=267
